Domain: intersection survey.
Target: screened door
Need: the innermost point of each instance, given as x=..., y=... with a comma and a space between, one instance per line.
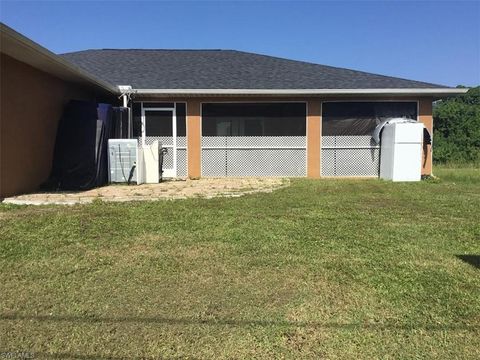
x=165, y=122
x=159, y=124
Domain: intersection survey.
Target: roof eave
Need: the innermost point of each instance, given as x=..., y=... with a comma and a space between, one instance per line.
x=434, y=92
x=22, y=48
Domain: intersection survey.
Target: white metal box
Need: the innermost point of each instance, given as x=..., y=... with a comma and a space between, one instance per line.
x=122, y=160
x=401, y=152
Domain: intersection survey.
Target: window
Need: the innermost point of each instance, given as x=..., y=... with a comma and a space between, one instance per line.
x=361, y=118
x=254, y=119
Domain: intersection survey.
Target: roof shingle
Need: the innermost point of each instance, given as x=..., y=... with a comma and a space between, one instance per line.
x=224, y=69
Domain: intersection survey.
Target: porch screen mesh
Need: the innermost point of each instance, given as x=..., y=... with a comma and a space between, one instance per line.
x=347, y=145
x=361, y=118
x=254, y=139
x=253, y=119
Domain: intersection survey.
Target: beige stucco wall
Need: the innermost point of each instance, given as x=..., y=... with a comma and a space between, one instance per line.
x=314, y=138
x=194, y=139
x=425, y=116
x=31, y=103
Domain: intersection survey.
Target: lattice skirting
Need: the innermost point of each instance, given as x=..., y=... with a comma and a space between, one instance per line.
x=254, y=156
x=350, y=156
x=181, y=162
x=275, y=155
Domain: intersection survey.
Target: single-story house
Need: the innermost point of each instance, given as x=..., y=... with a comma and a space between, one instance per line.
x=218, y=112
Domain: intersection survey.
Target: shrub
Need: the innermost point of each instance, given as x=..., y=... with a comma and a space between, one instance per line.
x=457, y=128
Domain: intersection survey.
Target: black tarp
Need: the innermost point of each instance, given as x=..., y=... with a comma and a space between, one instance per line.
x=80, y=157
x=104, y=130
x=361, y=118
x=119, y=128
x=74, y=154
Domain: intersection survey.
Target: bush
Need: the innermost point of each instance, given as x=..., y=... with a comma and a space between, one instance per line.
x=457, y=128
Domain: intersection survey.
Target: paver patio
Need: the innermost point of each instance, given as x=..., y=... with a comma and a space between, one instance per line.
x=170, y=189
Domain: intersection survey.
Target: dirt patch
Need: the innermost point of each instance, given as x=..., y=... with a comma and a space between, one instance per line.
x=167, y=190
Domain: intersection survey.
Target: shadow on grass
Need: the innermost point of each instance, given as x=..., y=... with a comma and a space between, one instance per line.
x=93, y=319
x=38, y=355
x=473, y=260
x=214, y=322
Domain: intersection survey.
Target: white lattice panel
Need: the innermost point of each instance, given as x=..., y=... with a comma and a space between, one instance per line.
x=214, y=162
x=350, y=162
x=164, y=140
x=181, y=162
x=181, y=142
x=264, y=142
x=168, y=159
x=350, y=156
x=329, y=160
x=266, y=162
x=254, y=156
x=355, y=162
x=214, y=142
x=348, y=142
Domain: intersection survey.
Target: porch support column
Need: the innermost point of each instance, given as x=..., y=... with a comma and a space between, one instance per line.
x=425, y=116
x=314, y=137
x=194, y=138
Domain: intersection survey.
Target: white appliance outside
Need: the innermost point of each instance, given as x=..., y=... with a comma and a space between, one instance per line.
x=122, y=160
x=401, y=151
x=140, y=166
x=150, y=168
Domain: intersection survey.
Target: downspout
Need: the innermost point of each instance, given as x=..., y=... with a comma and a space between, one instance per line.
x=126, y=92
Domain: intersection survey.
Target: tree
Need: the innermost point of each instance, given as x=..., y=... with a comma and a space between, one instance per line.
x=457, y=128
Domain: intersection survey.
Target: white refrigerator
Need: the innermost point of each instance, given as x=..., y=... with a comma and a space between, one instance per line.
x=401, y=151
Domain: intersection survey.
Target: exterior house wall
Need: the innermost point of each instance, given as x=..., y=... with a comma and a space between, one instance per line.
x=425, y=116
x=194, y=139
x=314, y=124
x=314, y=138
x=31, y=104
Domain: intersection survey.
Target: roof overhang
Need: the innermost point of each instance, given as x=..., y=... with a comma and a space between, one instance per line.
x=25, y=50
x=433, y=92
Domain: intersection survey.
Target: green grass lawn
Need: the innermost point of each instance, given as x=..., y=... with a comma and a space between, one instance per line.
x=321, y=269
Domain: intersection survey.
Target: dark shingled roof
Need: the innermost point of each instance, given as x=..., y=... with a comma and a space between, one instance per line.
x=224, y=69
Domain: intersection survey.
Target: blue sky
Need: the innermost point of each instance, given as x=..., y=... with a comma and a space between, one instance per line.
x=434, y=41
